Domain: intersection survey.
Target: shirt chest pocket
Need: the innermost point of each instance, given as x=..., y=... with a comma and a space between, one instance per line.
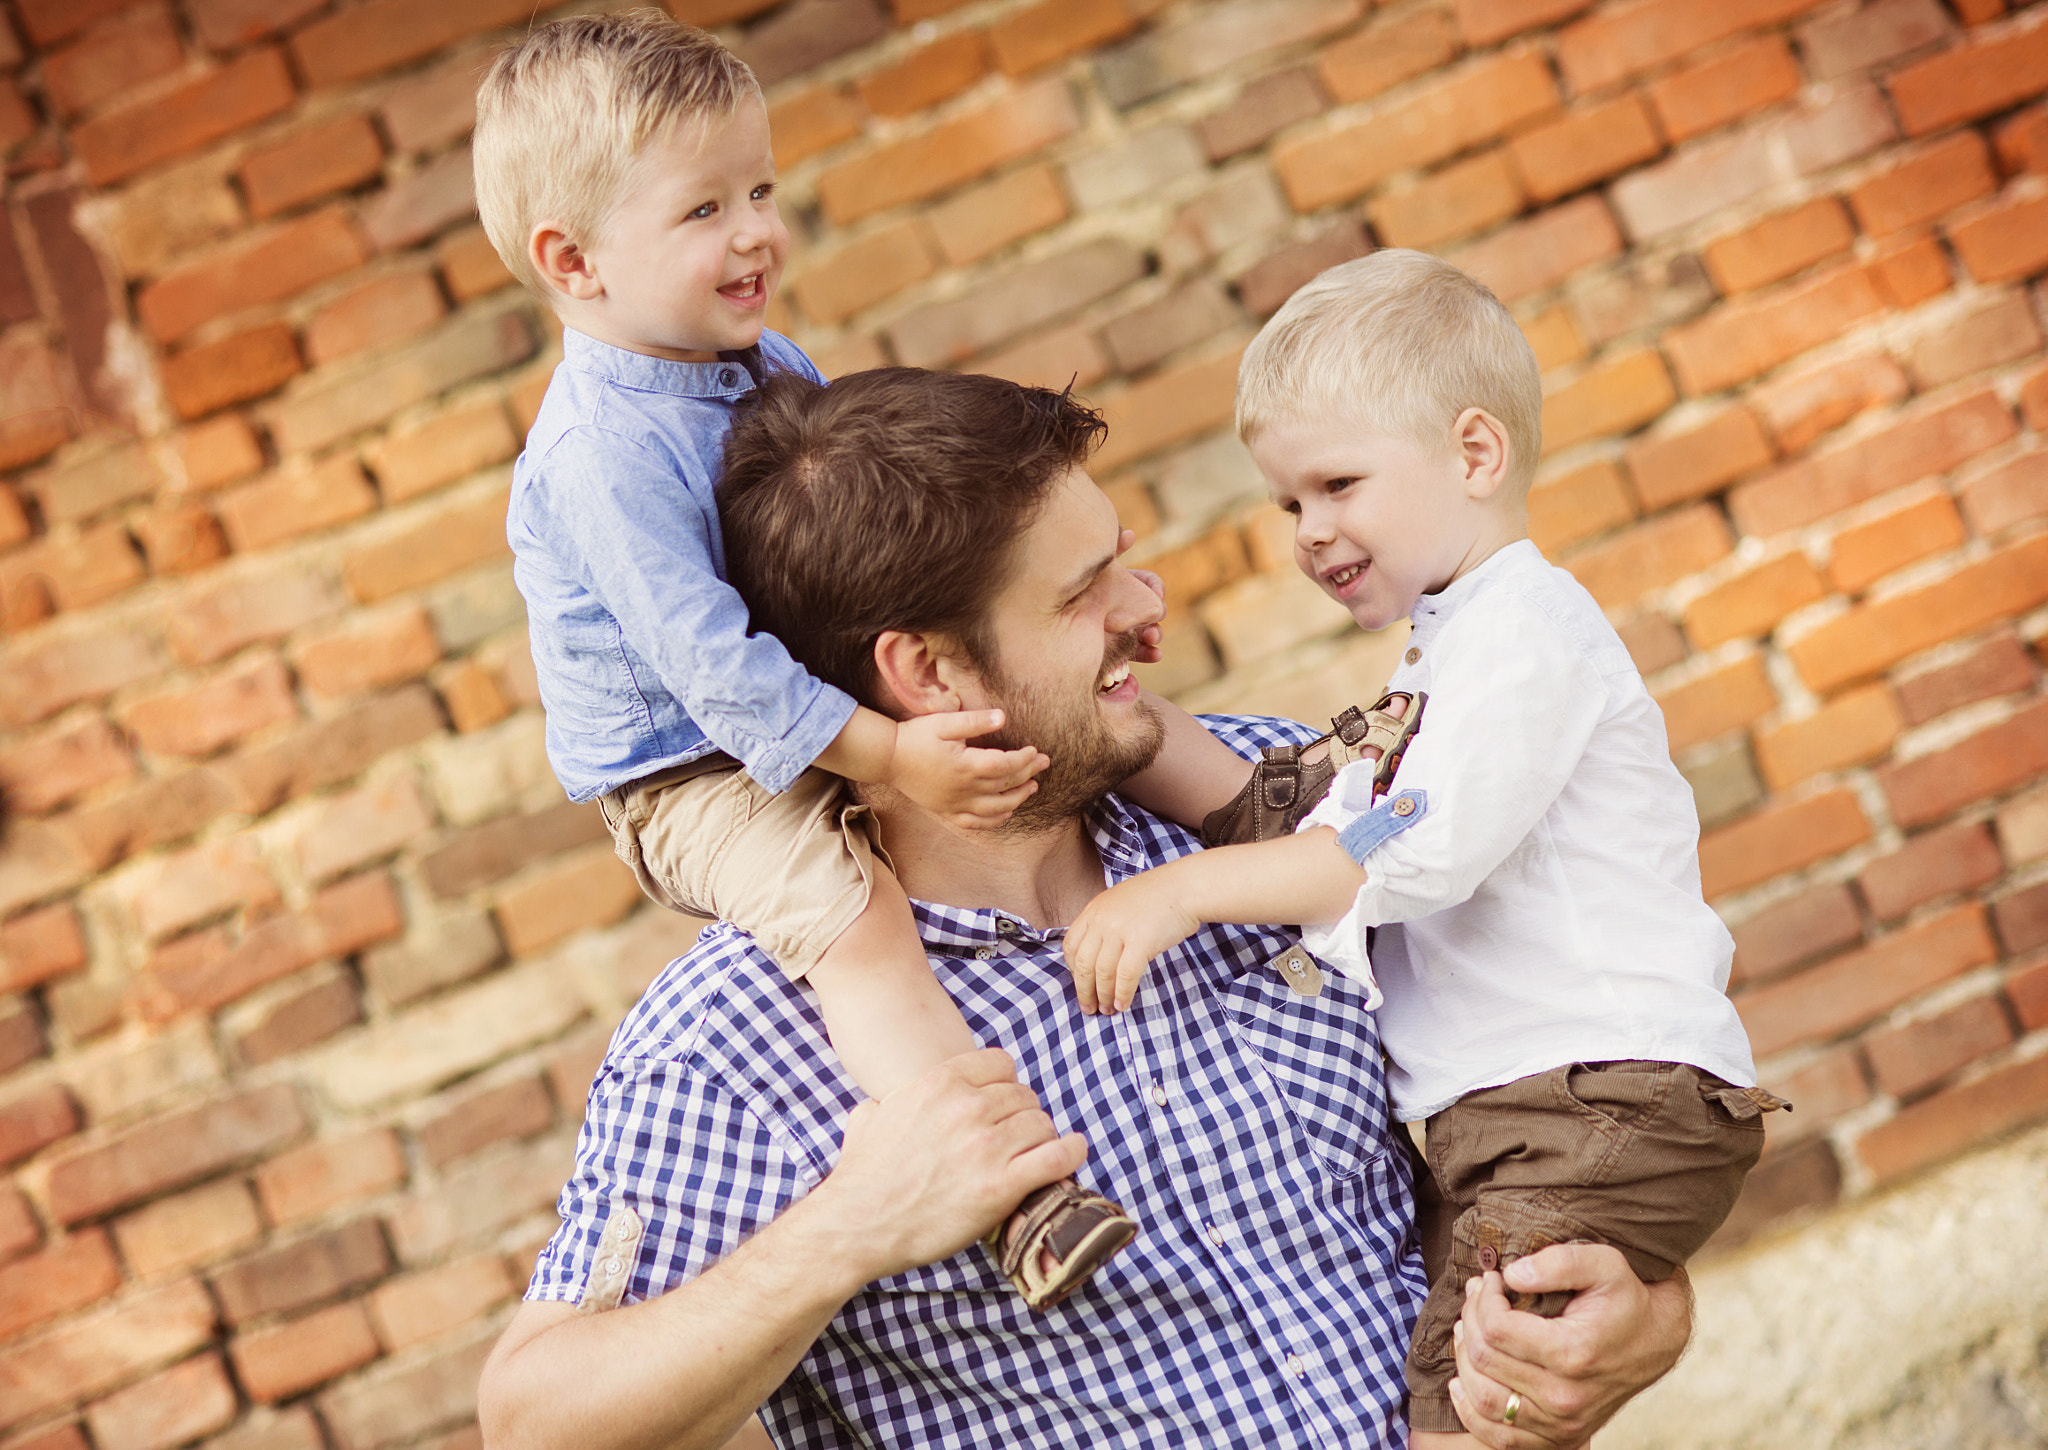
x=1319, y=1063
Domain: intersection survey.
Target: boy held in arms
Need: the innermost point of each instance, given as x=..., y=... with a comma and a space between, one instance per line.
x=1555, y=1003
x=624, y=174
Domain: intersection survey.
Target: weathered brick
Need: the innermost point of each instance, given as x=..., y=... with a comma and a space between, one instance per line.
x=318, y=1177
x=1054, y=29
x=1800, y=406
x=1436, y=121
x=1986, y=763
x=1997, y=666
x=50, y=21
x=207, y=378
x=2010, y=240
x=1843, y=123
x=1942, y=1125
x=21, y=1040
x=324, y=412
x=1175, y=403
x=367, y=652
x=1752, y=603
x=1382, y=55
x=2022, y=918
x=2001, y=330
x=42, y=862
x=952, y=331
x=200, y=719
x=450, y=446
x=1795, y=931
x=19, y=1231
x=382, y=34
x=1850, y=41
x=45, y=772
x=352, y=830
x=483, y=1196
x=809, y=33
x=1621, y=41
x=1191, y=314
x=1780, y=245
x=1929, y=439
x=1276, y=276
x=422, y=203
x=432, y=544
x=1690, y=461
x=130, y=49
x=1826, y=1088
x=515, y=1109
x=173, y=1151
x=303, y=1273
x=815, y=120
x=1866, y=552
x=417, y=1307
x=589, y=888
x=69, y=1274
x=1462, y=198
x=1854, y=728
x=1657, y=552
x=470, y=265
x=1971, y=80
x=1615, y=395
x=926, y=76
x=1147, y=163
x=471, y=696
x=496, y=849
x=1799, y=1181
x=1934, y=180
x=217, y=451
x=956, y=151
x=172, y=1408
x=33, y=1120
x=39, y=945
x=342, y=919
x=387, y=1407
x=1877, y=635
x=336, y=155
x=2011, y=493
x=987, y=218
x=1716, y=702
x=288, y=1359
x=80, y=1359
x=1579, y=505
x=1727, y=87
x=1724, y=782
x=1203, y=43
x=280, y=262
x=311, y=1014
x=123, y=141
x=2029, y=993
x=1534, y=255
x=227, y=24
x=1778, y=839
x=376, y=314
x=180, y=538
x=1934, y=863
x=1553, y=337
x=1263, y=109
x=209, y=621
x=294, y=500
x=1737, y=341
x=2021, y=141
x=436, y=954
x=189, y=1228
x=1585, y=146
x=1909, y=269
x=854, y=277
x=332, y=750
x=78, y=490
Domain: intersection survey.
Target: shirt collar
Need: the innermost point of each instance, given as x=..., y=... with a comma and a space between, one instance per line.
x=727, y=378
x=1433, y=611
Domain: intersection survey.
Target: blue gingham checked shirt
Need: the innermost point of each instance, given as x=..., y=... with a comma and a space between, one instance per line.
x=1267, y=1299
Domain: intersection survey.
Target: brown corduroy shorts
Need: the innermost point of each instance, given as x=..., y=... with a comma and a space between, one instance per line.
x=1646, y=1156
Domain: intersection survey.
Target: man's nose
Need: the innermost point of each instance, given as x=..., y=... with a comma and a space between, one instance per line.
x=1135, y=606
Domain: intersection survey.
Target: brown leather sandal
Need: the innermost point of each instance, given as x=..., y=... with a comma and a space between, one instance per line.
x=1078, y=1230
x=1291, y=779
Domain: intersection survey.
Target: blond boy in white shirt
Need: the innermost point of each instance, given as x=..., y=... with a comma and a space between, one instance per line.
x=1555, y=1003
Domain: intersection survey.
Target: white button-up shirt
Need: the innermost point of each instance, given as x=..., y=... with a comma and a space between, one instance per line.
x=1545, y=870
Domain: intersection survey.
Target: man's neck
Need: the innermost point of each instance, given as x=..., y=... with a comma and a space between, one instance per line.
x=1043, y=877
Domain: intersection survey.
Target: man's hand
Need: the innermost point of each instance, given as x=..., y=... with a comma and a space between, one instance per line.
x=1117, y=935
x=1574, y=1372
x=962, y=784
x=933, y=1166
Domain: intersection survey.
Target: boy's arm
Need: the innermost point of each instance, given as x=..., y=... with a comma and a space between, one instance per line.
x=1193, y=774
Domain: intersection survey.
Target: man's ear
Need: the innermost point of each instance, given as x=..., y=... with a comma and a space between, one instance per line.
x=1483, y=451
x=920, y=672
x=562, y=262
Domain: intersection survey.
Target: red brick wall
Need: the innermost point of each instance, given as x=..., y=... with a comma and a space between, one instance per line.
x=305, y=961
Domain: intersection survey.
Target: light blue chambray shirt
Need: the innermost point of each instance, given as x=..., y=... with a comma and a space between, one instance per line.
x=640, y=646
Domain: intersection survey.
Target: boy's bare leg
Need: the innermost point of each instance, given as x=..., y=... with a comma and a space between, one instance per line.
x=886, y=1014
x=1439, y=1440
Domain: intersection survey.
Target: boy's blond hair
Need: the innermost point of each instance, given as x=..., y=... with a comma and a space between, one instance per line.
x=563, y=113
x=1400, y=342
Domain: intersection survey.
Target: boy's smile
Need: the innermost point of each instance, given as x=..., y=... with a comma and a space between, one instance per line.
x=690, y=257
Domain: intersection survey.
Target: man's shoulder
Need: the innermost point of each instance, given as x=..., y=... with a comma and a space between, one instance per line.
x=1250, y=734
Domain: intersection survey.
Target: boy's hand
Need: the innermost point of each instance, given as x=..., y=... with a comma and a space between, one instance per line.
x=962, y=784
x=1151, y=638
x=1117, y=935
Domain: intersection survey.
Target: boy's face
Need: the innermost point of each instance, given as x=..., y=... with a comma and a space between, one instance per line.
x=1379, y=521
x=693, y=253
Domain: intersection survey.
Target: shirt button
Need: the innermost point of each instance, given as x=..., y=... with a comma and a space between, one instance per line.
x=982, y=954
x=727, y=376
x=1405, y=806
x=1158, y=1095
x=613, y=1266
x=1006, y=927
x=1295, y=1367
x=1217, y=1234
x=1412, y=656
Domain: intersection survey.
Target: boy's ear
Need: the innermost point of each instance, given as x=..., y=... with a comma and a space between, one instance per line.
x=919, y=672
x=562, y=263
x=1484, y=451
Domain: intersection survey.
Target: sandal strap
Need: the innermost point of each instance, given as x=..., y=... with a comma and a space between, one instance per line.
x=1285, y=786
x=1081, y=1231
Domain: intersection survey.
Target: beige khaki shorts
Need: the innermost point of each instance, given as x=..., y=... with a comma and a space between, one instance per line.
x=793, y=869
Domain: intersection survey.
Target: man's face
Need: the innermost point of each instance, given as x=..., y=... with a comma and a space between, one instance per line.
x=1063, y=632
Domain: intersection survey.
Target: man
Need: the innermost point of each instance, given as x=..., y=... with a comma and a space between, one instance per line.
x=931, y=542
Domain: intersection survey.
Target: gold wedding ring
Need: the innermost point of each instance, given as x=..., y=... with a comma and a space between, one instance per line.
x=1512, y=1408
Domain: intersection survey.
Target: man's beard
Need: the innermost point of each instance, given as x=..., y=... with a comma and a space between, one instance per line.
x=1090, y=757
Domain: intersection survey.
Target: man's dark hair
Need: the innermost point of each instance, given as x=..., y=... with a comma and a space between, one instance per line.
x=890, y=500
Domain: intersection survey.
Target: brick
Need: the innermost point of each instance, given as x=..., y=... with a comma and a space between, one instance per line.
x=1779, y=246
x=69, y=572
x=1933, y=864
x=333, y=750
x=303, y=1273
x=2034, y=400
x=1614, y=396
x=1929, y=183
x=1175, y=403
x=381, y=34
x=217, y=451
x=190, y=1228
x=2028, y=991
x=1823, y=1090
x=2009, y=494
x=586, y=889
x=277, y=1363
x=1689, y=462
x=352, y=830
x=181, y=538
x=296, y=500
x=1877, y=635
x=1866, y=552
x=212, y=620
x=1799, y=407
x=2005, y=242
x=378, y=313
x=227, y=24
x=1275, y=277
x=207, y=378
x=1553, y=337
x=470, y=265
x=312, y=1014
x=1997, y=666
x=486, y=1195
x=1991, y=761
x=199, y=720
x=367, y=653
x=461, y=1031
x=2022, y=918
x=2022, y=141
x=1723, y=781
x=924, y=77
x=1728, y=87
x=1463, y=198
x=1577, y=506
x=952, y=331
x=816, y=120
x=436, y=108
x=1851, y=121
x=40, y=945
x=1585, y=146
x=39, y=774
x=464, y=348
x=1930, y=439
x=975, y=223
x=1971, y=80
x=41, y=862
x=418, y=1307
x=449, y=447
x=134, y=47
x=319, y=1177
x=1751, y=604
x=50, y=21
x=21, y=1041
x=1627, y=39
x=80, y=1359
x=1646, y=294
x=957, y=151
x=497, y=848
x=176, y=1406
x=1778, y=839
x=1715, y=703
x=338, y=155
x=172, y=1151
x=1964, y=1116
x=342, y=919
x=516, y=1109
x=1148, y=162
x=435, y=543
x=19, y=1231
x=70, y=1274
x=1487, y=22
x=854, y=277
x=1052, y=30
x=809, y=33
x=1800, y=1181
x=1263, y=109
x=1436, y=121
x=1191, y=314
x=1382, y=55
x=420, y=204
x=1909, y=269
x=1741, y=339
x=2002, y=330
x=75, y=491
x=1793, y=932
x=121, y=142
x=1854, y=728
x=1211, y=41
x=382, y=1408
x=1848, y=42
x=436, y=954
x=471, y=696
x=1536, y=254
x=1655, y=553
x=268, y=268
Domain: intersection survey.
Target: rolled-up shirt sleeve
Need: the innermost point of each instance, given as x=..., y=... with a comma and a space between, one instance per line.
x=1512, y=707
